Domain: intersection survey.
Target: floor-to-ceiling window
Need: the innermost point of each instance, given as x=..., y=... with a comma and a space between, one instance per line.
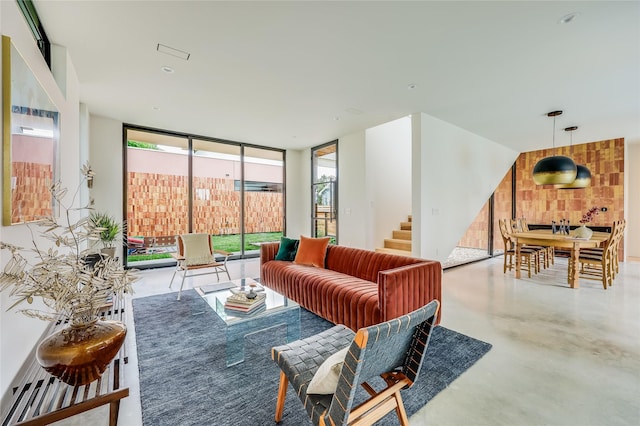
x=324, y=191
x=177, y=184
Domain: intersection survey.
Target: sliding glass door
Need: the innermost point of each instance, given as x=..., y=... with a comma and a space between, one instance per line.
x=216, y=203
x=181, y=184
x=157, y=195
x=324, y=190
x=263, y=195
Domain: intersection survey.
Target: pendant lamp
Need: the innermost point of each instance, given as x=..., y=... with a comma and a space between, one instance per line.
x=583, y=177
x=555, y=170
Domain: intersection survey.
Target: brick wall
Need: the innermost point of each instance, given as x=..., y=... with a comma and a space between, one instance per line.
x=33, y=200
x=158, y=205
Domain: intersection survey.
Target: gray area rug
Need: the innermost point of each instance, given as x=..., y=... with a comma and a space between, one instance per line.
x=184, y=379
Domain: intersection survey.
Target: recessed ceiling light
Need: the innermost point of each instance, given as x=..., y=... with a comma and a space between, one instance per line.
x=354, y=111
x=568, y=18
x=155, y=108
x=167, y=69
x=412, y=86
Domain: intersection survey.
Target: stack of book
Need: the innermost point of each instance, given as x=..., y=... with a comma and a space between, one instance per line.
x=239, y=302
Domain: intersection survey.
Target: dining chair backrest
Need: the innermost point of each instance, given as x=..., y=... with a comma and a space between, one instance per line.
x=505, y=231
x=519, y=225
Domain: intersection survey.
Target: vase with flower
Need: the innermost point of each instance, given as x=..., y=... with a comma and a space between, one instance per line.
x=73, y=289
x=582, y=231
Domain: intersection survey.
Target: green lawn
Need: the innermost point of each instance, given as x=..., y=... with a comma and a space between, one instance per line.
x=232, y=242
x=229, y=243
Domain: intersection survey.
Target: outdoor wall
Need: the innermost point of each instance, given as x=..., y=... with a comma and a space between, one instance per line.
x=502, y=207
x=158, y=205
x=477, y=234
x=19, y=333
x=33, y=200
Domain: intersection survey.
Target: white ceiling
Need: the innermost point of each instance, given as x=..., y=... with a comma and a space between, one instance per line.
x=298, y=74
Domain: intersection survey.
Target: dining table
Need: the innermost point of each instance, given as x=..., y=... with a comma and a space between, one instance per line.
x=546, y=238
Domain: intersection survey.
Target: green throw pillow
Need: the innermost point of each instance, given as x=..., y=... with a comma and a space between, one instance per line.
x=288, y=249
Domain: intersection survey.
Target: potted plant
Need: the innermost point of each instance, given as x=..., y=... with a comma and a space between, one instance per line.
x=71, y=289
x=109, y=231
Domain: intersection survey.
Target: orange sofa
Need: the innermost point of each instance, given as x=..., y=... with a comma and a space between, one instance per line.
x=357, y=287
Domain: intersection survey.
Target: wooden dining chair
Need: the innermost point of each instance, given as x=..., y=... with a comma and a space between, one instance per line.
x=600, y=262
x=529, y=256
x=196, y=253
x=393, y=350
x=545, y=254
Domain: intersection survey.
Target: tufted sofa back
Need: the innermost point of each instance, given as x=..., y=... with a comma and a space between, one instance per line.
x=364, y=264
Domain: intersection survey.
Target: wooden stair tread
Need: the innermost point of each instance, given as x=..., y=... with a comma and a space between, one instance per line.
x=394, y=243
x=394, y=251
x=402, y=234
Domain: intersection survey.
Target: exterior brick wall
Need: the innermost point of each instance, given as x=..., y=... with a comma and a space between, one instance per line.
x=33, y=200
x=158, y=205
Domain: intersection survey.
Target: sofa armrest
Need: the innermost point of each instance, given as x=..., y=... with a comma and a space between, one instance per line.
x=403, y=290
x=268, y=251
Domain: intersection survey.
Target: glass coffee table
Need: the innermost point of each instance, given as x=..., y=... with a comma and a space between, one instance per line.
x=277, y=311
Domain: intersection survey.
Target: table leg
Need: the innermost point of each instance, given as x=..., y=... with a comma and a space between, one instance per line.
x=573, y=278
x=518, y=260
x=235, y=347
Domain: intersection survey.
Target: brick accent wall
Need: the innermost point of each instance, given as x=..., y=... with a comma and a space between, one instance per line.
x=542, y=204
x=158, y=205
x=33, y=200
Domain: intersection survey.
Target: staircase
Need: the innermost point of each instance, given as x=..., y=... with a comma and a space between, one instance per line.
x=400, y=242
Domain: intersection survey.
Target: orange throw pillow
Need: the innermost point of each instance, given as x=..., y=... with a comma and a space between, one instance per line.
x=312, y=251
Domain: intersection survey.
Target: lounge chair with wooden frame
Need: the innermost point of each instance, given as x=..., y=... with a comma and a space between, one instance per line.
x=393, y=350
x=196, y=253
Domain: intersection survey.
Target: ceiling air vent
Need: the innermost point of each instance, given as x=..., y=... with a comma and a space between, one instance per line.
x=173, y=52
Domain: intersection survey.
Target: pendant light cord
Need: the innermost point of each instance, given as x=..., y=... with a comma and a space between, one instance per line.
x=553, y=137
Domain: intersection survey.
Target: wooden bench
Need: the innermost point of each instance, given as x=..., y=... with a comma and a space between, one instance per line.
x=38, y=398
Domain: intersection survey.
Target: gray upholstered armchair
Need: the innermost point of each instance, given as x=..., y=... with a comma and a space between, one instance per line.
x=393, y=350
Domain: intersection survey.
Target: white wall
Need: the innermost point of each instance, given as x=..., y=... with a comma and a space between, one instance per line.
x=632, y=197
x=352, y=226
x=388, y=179
x=298, y=201
x=105, y=155
x=454, y=174
x=19, y=333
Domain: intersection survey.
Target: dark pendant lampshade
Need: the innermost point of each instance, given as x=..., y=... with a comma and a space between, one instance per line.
x=556, y=170
x=583, y=179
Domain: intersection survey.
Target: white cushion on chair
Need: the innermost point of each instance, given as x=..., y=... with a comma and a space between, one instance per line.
x=325, y=381
x=197, y=249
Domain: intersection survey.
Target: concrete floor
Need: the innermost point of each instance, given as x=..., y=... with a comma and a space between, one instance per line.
x=559, y=356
